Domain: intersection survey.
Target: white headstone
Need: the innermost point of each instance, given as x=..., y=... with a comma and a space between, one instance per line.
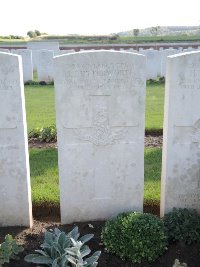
x=132, y=50
x=45, y=70
x=64, y=52
x=26, y=55
x=189, y=49
x=15, y=193
x=153, y=63
x=181, y=154
x=100, y=103
x=35, y=46
x=165, y=54
x=4, y=50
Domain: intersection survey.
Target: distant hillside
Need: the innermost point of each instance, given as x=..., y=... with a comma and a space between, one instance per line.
x=168, y=30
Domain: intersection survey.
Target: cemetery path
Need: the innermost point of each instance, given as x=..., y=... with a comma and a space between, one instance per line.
x=150, y=141
x=32, y=238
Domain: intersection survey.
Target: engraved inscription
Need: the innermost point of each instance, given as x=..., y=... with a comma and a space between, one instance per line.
x=100, y=75
x=5, y=69
x=190, y=200
x=101, y=133
x=192, y=82
x=6, y=84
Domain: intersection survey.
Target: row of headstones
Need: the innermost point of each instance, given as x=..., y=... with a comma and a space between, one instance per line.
x=42, y=60
x=100, y=109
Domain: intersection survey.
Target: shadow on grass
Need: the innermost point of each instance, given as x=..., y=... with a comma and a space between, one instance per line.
x=152, y=163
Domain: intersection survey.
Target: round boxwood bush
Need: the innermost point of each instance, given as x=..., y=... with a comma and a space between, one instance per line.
x=135, y=236
x=182, y=225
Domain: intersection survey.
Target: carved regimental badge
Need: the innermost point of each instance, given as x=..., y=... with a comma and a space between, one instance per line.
x=100, y=134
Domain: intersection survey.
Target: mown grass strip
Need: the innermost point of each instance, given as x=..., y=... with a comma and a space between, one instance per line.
x=44, y=175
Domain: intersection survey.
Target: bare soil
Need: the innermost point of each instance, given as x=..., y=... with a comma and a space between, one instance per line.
x=150, y=141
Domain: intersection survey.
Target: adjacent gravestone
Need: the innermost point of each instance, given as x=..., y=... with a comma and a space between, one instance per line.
x=100, y=103
x=181, y=154
x=189, y=49
x=36, y=46
x=165, y=54
x=26, y=63
x=153, y=63
x=132, y=50
x=45, y=66
x=64, y=52
x=4, y=50
x=15, y=193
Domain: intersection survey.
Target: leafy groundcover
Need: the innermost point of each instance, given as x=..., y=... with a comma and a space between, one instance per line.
x=32, y=238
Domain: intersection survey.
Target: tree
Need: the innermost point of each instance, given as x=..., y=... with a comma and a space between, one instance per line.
x=38, y=33
x=136, y=32
x=155, y=30
x=31, y=34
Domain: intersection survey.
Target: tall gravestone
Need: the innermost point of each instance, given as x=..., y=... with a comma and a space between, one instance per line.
x=165, y=54
x=15, y=193
x=153, y=63
x=36, y=46
x=64, y=52
x=45, y=66
x=27, y=64
x=100, y=103
x=181, y=149
x=4, y=50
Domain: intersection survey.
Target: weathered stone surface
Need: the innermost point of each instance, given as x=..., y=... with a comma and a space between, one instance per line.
x=181, y=141
x=45, y=70
x=100, y=102
x=15, y=193
x=27, y=63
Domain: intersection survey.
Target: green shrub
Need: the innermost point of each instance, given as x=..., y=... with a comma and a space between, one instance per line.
x=44, y=134
x=182, y=225
x=64, y=250
x=9, y=250
x=31, y=83
x=135, y=236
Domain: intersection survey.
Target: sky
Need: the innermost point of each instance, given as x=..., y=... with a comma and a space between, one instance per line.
x=94, y=16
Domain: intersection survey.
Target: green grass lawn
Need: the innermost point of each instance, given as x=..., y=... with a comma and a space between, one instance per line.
x=152, y=173
x=154, y=107
x=40, y=106
x=101, y=39
x=44, y=175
